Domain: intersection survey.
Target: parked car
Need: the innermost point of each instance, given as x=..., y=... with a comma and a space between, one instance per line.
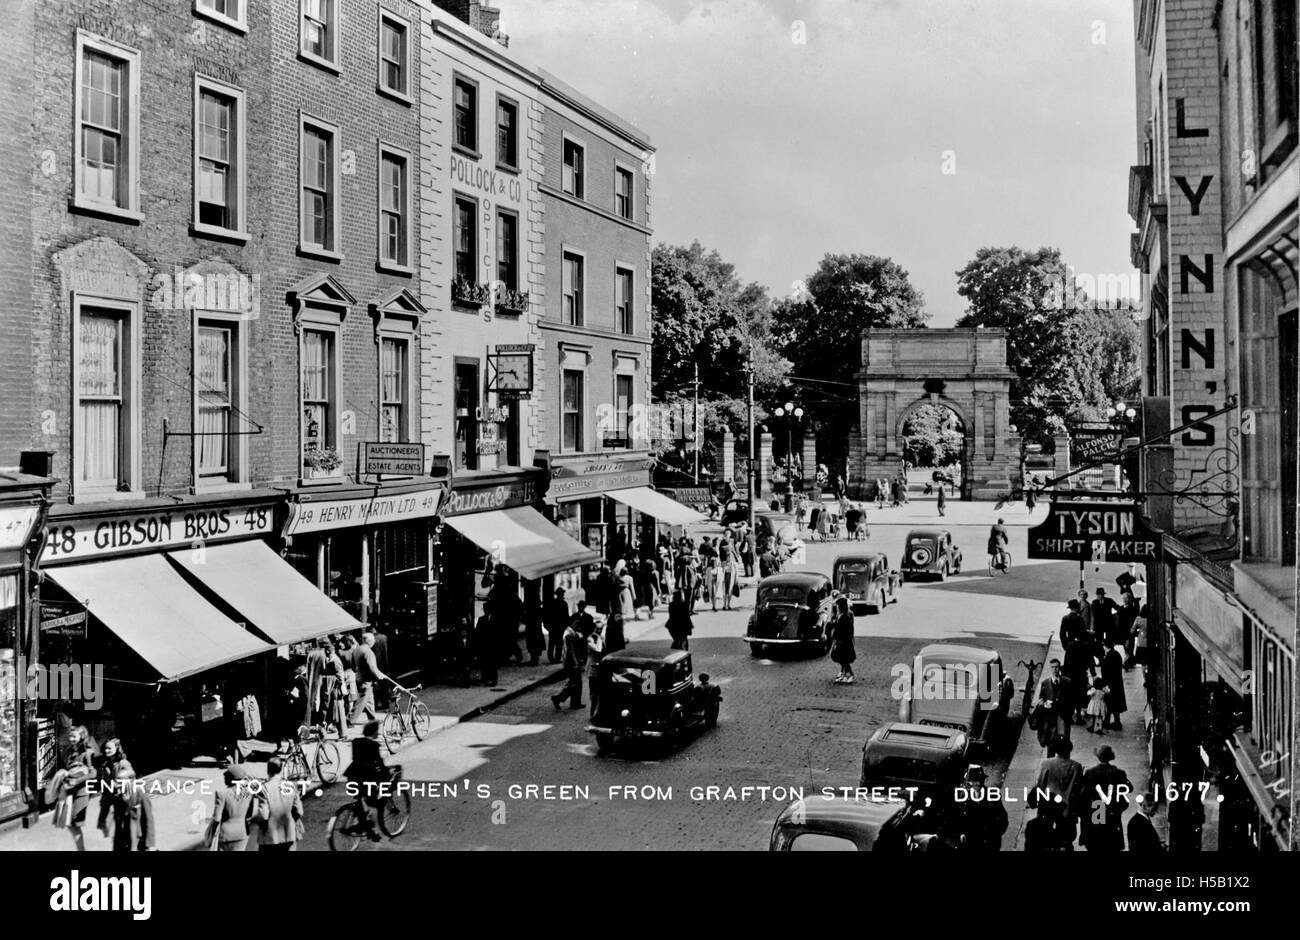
x=640, y=695
x=930, y=553
x=931, y=759
x=866, y=579
x=792, y=609
x=963, y=688
x=842, y=824
x=735, y=511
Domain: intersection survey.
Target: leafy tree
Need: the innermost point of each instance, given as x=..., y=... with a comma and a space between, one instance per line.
x=1106, y=365
x=1020, y=292
x=820, y=333
x=932, y=437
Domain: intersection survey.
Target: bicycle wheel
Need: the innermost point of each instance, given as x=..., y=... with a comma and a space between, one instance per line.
x=327, y=762
x=346, y=829
x=392, y=731
x=295, y=765
x=395, y=814
x=420, y=720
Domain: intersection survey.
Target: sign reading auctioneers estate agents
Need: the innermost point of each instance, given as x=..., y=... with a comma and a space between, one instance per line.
x=1094, y=532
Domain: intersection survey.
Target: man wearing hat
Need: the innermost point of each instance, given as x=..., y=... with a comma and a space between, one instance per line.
x=981, y=817
x=1142, y=836
x=1058, y=792
x=1105, y=787
x=232, y=808
x=556, y=617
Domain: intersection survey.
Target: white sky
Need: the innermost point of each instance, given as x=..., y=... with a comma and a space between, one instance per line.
x=776, y=153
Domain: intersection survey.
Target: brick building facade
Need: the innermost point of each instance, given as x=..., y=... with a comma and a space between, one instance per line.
x=1214, y=198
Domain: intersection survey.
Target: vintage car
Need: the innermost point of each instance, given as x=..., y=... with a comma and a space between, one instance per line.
x=642, y=695
x=842, y=824
x=931, y=759
x=961, y=688
x=930, y=553
x=792, y=609
x=866, y=579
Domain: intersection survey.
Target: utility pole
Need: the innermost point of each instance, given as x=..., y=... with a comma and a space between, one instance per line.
x=695, y=425
x=749, y=437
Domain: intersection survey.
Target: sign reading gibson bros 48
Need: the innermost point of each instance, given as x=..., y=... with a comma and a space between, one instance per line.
x=1094, y=532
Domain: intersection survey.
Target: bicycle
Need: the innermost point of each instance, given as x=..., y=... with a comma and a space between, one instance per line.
x=405, y=714
x=327, y=762
x=349, y=827
x=1027, y=700
x=999, y=563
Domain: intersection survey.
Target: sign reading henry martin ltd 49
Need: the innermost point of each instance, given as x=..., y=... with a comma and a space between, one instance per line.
x=1094, y=532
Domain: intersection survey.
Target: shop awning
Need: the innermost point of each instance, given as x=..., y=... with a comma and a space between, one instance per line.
x=151, y=608
x=266, y=591
x=520, y=538
x=656, y=505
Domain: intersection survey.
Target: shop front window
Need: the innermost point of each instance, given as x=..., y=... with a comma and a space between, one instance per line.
x=9, y=679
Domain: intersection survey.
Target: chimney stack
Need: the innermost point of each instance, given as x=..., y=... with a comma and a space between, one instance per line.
x=479, y=16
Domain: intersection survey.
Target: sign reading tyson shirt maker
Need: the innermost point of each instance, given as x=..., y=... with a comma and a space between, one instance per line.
x=1097, y=532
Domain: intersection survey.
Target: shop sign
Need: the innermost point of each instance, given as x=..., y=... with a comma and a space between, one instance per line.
x=1094, y=532
x=597, y=476
x=55, y=621
x=1090, y=444
x=16, y=525
x=404, y=459
x=79, y=539
x=1203, y=605
x=487, y=498
x=319, y=515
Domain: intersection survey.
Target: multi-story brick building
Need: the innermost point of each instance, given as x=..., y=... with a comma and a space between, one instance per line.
x=596, y=192
x=1214, y=197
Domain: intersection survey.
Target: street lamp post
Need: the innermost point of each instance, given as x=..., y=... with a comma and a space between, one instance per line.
x=791, y=414
x=1120, y=416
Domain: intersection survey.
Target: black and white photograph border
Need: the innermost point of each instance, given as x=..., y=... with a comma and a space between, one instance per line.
x=669, y=425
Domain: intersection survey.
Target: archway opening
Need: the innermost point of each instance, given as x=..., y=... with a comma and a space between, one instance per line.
x=934, y=447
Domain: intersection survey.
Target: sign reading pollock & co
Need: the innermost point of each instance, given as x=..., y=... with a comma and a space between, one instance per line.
x=79, y=539
x=486, y=498
x=1094, y=532
x=317, y=515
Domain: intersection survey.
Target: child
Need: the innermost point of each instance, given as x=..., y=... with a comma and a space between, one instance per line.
x=1097, y=706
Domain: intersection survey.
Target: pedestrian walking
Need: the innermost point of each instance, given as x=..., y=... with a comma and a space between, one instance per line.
x=814, y=517
x=232, y=811
x=71, y=786
x=556, y=617
x=1085, y=611
x=277, y=811
x=941, y=501
x=1112, y=675
x=1141, y=632
x=380, y=646
x=485, y=645
x=575, y=658
x=1105, y=786
x=823, y=525
x=680, y=626
x=110, y=760
x=1078, y=667
x=1058, y=791
x=368, y=674
x=596, y=650
x=1096, y=709
x=1103, y=619
x=981, y=818
x=1055, y=707
x=747, y=549
x=1072, y=625
x=842, y=647
x=730, y=580
x=133, y=828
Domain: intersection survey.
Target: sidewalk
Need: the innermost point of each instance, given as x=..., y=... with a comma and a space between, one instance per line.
x=1129, y=744
x=181, y=813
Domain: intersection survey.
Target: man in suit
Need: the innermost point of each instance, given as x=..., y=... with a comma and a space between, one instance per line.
x=368, y=673
x=232, y=808
x=1058, y=792
x=1103, y=617
x=575, y=657
x=381, y=660
x=1072, y=625
x=1104, y=786
x=556, y=618
x=278, y=810
x=1057, y=696
x=1142, y=836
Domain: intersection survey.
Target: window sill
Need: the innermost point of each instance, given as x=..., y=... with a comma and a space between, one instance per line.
x=311, y=251
x=467, y=152
x=215, y=17
x=400, y=97
x=391, y=267
x=323, y=64
x=220, y=487
x=202, y=230
x=105, y=210
x=507, y=313
x=1279, y=144
x=509, y=168
x=322, y=481
x=106, y=496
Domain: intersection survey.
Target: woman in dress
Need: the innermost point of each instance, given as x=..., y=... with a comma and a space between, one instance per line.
x=842, y=649
x=626, y=595
x=78, y=763
x=730, y=574
x=680, y=626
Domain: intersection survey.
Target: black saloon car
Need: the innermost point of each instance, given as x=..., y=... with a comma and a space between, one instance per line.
x=642, y=695
x=866, y=579
x=793, y=609
x=930, y=553
x=841, y=824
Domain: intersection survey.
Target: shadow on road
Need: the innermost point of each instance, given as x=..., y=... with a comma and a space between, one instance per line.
x=1042, y=581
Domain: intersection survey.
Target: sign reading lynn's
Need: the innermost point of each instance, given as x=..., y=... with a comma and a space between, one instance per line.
x=1094, y=532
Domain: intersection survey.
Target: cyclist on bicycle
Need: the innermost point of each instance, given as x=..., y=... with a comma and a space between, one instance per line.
x=998, y=542
x=368, y=771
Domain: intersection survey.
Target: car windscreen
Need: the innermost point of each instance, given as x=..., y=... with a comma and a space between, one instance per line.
x=783, y=594
x=854, y=567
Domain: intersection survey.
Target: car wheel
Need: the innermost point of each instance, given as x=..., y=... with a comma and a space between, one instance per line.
x=604, y=742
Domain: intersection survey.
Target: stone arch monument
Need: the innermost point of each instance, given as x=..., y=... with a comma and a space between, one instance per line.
x=964, y=370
